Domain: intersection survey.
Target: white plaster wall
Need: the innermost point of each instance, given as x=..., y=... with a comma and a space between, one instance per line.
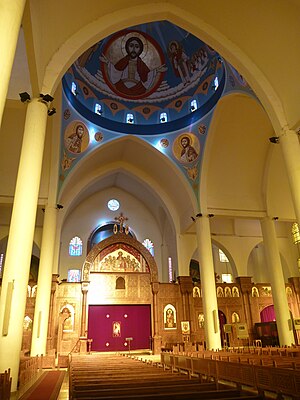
x=93, y=212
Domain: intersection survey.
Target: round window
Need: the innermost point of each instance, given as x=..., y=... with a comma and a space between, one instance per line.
x=113, y=205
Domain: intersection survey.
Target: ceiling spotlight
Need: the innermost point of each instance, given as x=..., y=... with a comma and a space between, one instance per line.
x=46, y=97
x=211, y=215
x=274, y=139
x=275, y=218
x=59, y=206
x=198, y=215
x=193, y=219
x=25, y=97
x=51, y=111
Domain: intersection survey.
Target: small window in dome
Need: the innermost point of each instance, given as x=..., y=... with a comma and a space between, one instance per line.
x=98, y=109
x=74, y=88
x=163, y=117
x=194, y=105
x=130, y=118
x=113, y=205
x=216, y=83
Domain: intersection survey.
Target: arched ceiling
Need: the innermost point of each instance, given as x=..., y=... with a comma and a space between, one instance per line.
x=59, y=33
x=237, y=156
x=131, y=164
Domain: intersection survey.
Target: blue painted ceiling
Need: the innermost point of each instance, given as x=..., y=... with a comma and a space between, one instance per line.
x=146, y=70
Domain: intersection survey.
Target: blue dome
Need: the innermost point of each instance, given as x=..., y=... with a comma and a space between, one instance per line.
x=150, y=78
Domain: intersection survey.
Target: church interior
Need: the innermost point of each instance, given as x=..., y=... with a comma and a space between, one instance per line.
x=149, y=176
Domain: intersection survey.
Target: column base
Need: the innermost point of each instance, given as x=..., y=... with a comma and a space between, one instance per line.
x=156, y=345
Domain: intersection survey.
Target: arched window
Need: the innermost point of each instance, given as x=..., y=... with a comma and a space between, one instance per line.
x=193, y=105
x=216, y=83
x=1, y=264
x=98, y=109
x=74, y=88
x=149, y=246
x=170, y=269
x=75, y=247
x=129, y=118
x=163, y=117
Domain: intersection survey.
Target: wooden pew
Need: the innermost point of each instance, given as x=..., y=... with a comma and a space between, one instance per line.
x=116, y=378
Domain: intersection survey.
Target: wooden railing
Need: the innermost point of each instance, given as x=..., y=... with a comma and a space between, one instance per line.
x=29, y=367
x=5, y=385
x=279, y=380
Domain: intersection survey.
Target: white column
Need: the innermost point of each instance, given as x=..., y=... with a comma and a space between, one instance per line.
x=11, y=12
x=44, y=283
x=276, y=278
x=290, y=147
x=208, y=285
x=20, y=240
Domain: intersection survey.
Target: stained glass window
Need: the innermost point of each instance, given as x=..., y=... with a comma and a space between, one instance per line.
x=113, y=205
x=149, y=245
x=98, y=109
x=130, y=118
x=216, y=83
x=74, y=88
x=163, y=117
x=1, y=263
x=75, y=247
x=74, y=275
x=194, y=105
x=170, y=268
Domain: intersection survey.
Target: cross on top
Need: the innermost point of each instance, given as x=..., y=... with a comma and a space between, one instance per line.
x=121, y=219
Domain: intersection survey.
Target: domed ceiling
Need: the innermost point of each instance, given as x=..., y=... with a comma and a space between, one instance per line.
x=159, y=74
x=155, y=81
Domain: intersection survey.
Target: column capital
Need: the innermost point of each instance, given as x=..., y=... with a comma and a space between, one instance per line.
x=85, y=287
x=155, y=287
x=287, y=131
x=186, y=284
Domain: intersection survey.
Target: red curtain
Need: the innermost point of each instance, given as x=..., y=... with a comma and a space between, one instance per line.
x=110, y=325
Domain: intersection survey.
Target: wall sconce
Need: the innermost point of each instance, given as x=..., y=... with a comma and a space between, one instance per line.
x=51, y=111
x=274, y=139
x=46, y=98
x=25, y=97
